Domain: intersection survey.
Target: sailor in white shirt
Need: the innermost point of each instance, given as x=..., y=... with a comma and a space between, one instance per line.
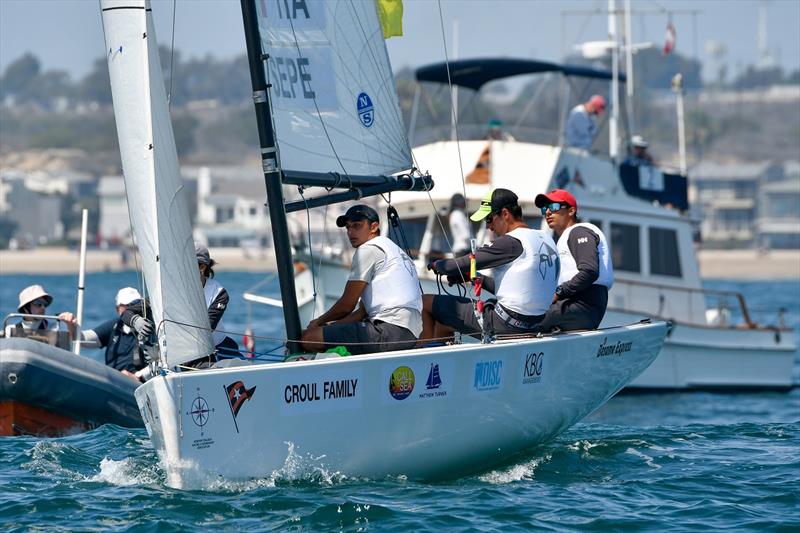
x=388, y=316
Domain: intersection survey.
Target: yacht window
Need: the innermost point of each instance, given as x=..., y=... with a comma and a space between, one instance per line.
x=625, y=247
x=664, y=257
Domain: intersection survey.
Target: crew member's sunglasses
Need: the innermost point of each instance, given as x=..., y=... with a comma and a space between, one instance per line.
x=555, y=206
x=40, y=303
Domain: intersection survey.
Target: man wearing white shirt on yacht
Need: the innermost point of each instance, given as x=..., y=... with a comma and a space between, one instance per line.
x=581, y=129
x=586, y=274
x=388, y=316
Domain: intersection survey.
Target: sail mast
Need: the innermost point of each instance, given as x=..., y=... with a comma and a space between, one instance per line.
x=272, y=174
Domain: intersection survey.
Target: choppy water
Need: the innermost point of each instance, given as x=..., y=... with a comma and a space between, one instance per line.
x=658, y=462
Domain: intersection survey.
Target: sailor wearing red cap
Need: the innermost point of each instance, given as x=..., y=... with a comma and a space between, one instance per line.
x=586, y=273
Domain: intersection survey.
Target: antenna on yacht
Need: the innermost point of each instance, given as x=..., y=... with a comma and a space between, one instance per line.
x=613, y=120
x=677, y=87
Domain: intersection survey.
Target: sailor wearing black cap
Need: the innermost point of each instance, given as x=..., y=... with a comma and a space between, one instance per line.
x=525, y=264
x=384, y=278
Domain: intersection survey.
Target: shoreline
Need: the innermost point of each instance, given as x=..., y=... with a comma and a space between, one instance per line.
x=714, y=264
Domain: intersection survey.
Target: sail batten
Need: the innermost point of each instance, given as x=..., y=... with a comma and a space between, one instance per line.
x=333, y=92
x=153, y=184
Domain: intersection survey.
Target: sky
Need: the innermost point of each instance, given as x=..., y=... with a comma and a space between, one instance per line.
x=67, y=34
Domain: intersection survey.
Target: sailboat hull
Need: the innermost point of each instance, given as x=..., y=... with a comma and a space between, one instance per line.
x=379, y=415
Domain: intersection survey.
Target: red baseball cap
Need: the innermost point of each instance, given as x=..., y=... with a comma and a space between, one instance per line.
x=556, y=195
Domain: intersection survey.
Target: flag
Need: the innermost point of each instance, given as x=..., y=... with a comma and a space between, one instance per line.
x=237, y=395
x=249, y=342
x=669, y=41
x=391, y=14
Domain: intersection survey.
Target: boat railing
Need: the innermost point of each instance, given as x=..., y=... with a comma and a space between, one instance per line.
x=55, y=337
x=480, y=132
x=694, y=291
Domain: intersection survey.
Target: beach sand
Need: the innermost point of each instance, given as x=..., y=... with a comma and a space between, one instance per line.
x=714, y=264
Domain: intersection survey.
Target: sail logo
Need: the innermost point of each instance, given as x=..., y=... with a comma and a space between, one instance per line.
x=532, y=371
x=365, y=110
x=401, y=383
x=488, y=375
x=433, y=385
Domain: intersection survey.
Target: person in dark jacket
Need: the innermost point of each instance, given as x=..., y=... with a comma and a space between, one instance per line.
x=586, y=274
x=121, y=341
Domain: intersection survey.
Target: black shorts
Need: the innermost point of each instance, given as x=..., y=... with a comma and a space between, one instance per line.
x=368, y=337
x=457, y=312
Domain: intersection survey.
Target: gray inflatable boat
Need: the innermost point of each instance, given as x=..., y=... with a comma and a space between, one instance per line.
x=51, y=392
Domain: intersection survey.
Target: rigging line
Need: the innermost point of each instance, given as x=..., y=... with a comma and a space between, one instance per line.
x=310, y=251
x=171, y=55
x=453, y=111
x=314, y=99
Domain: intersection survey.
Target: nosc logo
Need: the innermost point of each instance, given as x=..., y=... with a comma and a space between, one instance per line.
x=366, y=113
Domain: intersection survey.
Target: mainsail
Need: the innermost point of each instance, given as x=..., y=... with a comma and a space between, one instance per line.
x=333, y=92
x=158, y=210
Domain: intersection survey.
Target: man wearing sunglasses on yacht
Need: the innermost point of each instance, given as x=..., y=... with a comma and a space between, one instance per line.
x=586, y=273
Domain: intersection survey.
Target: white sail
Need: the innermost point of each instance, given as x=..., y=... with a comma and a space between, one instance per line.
x=158, y=210
x=333, y=92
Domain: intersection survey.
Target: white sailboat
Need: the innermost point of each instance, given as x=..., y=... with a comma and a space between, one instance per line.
x=338, y=126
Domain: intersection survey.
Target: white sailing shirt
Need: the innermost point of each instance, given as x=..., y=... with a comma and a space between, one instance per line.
x=392, y=294
x=526, y=285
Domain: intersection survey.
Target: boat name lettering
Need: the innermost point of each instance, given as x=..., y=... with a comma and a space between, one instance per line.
x=487, y=375
x=613, y=349
x=532, y=373
x=309, y=392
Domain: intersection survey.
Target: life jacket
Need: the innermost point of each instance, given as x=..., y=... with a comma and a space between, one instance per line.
x=396, y=281
x=568, y=266
x=211, y=291
x=526, y=285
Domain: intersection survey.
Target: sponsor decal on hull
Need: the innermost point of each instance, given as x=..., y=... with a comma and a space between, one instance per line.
x=237, y=393
x=619, y=348
x=488, y=375
x=401, y=383
x=200, y=413
x=532, y=369
x=323, y=394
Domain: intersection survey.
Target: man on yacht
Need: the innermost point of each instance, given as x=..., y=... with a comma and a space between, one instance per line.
x=384, y=278
x=581, y=129
x=525, y=263
x=580, y=300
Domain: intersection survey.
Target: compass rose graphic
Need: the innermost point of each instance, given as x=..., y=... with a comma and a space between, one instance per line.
x=200, y=412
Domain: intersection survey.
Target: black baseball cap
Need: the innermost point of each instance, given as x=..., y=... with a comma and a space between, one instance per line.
x=358, y=212
x=494, y=202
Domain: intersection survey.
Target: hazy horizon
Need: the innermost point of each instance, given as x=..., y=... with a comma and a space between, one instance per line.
x=67, y=34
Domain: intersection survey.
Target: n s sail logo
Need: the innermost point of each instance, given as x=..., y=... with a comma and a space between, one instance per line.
x=366, y=113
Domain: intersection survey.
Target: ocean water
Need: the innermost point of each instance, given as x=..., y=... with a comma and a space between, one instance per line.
x=647, y=462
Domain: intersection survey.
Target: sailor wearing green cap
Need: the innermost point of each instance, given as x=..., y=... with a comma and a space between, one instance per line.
x=525, y=266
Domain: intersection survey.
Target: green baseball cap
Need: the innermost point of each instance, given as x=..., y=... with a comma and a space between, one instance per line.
x=494, y=202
